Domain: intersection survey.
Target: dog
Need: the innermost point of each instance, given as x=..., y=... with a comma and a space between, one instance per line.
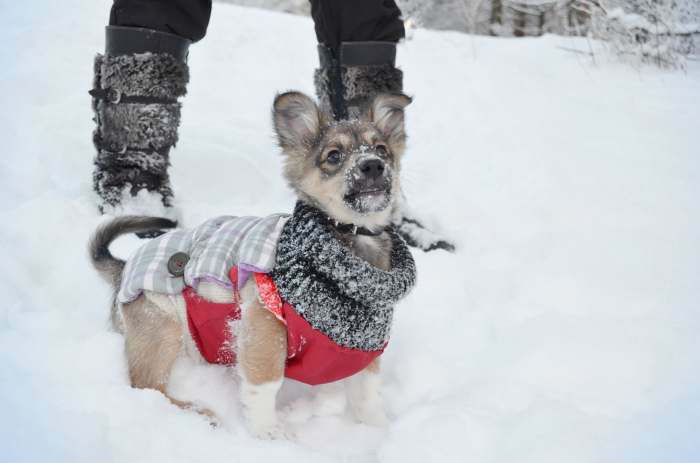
x=349, y=170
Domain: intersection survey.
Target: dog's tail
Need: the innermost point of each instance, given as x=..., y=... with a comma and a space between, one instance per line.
x=108, y=266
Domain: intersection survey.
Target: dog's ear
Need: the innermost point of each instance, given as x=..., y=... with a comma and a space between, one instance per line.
x=297, y=120
x=386, y=112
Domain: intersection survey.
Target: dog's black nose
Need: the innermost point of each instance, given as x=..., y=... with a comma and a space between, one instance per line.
x=372, y=168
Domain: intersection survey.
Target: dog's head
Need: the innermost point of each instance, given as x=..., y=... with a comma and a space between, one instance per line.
x=349, y=169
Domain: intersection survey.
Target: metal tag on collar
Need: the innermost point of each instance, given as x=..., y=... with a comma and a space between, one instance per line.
x=345, y=227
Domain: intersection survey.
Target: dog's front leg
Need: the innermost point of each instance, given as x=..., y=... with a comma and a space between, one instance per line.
x=330, y=399
x=364, y=394
x=262, y=352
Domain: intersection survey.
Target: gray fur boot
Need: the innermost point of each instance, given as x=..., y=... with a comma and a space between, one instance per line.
x=345, y=81
x=135, y=90
x=360, y=71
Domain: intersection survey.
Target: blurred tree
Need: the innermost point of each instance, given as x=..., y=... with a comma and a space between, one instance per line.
x=661, y=31
x=498, y=17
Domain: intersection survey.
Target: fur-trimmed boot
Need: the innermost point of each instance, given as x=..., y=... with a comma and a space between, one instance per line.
x=135, y=90
x=349, y=77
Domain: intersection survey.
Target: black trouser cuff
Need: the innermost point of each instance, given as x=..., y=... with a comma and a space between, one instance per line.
x=121, y=40
x=358, y=54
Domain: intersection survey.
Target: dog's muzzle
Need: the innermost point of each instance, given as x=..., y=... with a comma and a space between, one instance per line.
x=369, y=186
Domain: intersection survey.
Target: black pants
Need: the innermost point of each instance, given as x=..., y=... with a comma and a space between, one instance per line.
x=335, y=21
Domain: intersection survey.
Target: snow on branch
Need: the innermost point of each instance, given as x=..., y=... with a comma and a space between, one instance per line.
x=663, y=32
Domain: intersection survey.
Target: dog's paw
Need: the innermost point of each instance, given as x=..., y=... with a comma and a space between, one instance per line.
x=209, y=415
x=372, y=416
x=330, y=399
x=271, y=431
x=328, y=406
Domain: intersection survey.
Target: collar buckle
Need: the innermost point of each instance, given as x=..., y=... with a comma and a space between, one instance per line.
x=352, y=229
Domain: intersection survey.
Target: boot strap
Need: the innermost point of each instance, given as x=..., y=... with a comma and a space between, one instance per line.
x=114, y=96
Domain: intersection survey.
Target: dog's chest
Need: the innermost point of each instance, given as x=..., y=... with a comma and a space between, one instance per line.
x=374, y=249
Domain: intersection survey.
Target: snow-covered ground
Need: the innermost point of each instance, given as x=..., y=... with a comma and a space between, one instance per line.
x=565, y=328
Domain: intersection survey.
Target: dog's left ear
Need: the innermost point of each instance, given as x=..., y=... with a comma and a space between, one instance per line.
x=297, y=120
x=386, y=112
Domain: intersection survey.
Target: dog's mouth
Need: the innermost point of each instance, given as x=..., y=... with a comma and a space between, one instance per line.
x=368, y=199
x=367, y=192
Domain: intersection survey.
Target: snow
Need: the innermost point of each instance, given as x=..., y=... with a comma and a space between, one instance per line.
x=563, y=329
x=145, y=202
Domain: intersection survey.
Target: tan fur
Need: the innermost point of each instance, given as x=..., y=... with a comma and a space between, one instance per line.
x=215, y=293
x=374, y=366
x=375, y=250
x=153, y=342
x=262, y=344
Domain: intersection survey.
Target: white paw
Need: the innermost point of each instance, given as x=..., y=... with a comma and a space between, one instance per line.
x=366, y=399
x=209, y=415
x=373, y=416
x=329, y=400
x=270, y=431
x=323, y=406
x=259, y=409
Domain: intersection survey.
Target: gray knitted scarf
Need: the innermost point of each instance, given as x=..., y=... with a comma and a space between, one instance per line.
x=337, y=292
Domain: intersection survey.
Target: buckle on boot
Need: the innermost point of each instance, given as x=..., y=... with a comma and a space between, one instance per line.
x=111, y=95
x=114, y=96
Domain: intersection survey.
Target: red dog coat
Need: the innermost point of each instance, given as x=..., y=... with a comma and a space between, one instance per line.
x=312, y=357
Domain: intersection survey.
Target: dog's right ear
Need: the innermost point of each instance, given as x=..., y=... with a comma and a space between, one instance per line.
x=297, y=120
x=387, y=113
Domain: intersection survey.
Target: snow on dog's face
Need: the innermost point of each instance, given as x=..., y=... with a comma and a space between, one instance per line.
x=349, y=169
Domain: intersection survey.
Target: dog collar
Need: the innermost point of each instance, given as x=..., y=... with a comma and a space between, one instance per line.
x=352, y=229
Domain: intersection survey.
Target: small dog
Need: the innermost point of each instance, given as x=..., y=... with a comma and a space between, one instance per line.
x=349, y=170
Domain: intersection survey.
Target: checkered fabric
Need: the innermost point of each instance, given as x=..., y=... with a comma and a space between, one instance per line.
x=214, y=248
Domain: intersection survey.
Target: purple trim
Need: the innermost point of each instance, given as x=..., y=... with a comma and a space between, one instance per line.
x=211, y=279
x=250, y=268
x=244, y=271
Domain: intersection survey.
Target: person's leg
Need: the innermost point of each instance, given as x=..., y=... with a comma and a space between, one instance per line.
x=185, y=18
x=136, y=86
x=357, y=52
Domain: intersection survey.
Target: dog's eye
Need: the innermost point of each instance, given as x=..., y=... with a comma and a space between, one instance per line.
x=381, y=149
x=334, y=157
